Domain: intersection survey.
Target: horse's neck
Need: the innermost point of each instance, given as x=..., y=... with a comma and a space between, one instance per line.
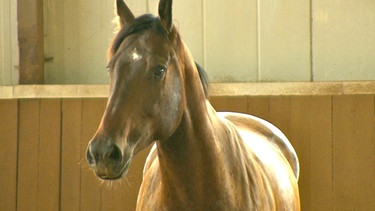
x=191, y=157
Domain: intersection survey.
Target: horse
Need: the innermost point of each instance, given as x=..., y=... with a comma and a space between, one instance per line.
x=200, y=159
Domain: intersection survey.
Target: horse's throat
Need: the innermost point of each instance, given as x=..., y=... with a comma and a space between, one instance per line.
x=190, y=160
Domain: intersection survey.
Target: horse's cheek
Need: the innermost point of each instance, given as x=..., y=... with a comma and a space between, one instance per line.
x=170, y=114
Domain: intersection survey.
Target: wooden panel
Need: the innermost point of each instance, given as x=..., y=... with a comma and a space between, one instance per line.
x=28, y=155
x=55, y=32
x=92, y=111
x=30, y=38
x=122, y=195
x=4, y=59
x=235, y=41
x=49, y=155
x=364, y=139
x=321, y=153
x=230, y=40
x=114, y=197
x=8, y=43
x=343, y=43
x=134, y=179
x=8, y=153
x=259, y=106
x=300, y=124
x=191, y=27
x=284, y=40
x=353, y=152
x=238, y=104
x=333, y=136
x=77, y=37
x=71, y=154
x=280, y=113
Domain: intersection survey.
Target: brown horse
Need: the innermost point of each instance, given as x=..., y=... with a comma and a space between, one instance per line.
x=201, y=159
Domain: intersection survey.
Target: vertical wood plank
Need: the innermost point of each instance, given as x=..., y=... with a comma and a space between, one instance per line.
x=77, y=36
x=69, y=61
x=114, y=197
x=54, y=33
x=49, y=155
x=353, y=153
x=280, y=113
x=92, y=38
x=30, y=37
x=8, y=43
x=8, y=153
x=5, y=59
x=300, y=124
x=321, y=153
x=259, y=106
x=71, y=154
x=364, y=138
x=342, y=150
x=92, y=111
x=122, y=194
x=28, y=155
x=234, y=104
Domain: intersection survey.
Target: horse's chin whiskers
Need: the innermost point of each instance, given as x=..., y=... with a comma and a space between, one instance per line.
x=126, y=180
x=118, y=184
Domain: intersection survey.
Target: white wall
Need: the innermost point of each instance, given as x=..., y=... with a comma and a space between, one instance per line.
x=242, y=40
x=8, y=42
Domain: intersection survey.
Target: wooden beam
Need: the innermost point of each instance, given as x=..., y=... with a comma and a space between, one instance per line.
x=30, y=38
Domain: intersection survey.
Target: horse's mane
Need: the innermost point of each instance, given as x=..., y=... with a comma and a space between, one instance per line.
x=141, y=24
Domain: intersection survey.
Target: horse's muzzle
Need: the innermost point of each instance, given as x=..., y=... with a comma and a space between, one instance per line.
x=106, y=158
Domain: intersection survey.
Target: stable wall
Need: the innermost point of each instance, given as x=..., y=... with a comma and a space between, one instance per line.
x=8, y=42
x=235, y=41
x=240, y=41
x=44, y=138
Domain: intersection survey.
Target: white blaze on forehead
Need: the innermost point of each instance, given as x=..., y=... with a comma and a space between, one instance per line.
x=135, y=55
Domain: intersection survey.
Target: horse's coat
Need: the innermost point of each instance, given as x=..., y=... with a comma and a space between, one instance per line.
x=201, y=160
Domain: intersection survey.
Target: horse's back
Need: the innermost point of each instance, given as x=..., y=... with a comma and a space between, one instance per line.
x=251, y=124
x=275, y=157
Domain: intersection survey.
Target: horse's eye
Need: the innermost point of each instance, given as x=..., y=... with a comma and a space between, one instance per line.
x=159, y=72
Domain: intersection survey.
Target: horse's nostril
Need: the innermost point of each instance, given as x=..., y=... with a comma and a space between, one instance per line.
x=115, y=155
x=90, y=159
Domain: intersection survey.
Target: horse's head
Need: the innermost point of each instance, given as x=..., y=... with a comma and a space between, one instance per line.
x=146, y=98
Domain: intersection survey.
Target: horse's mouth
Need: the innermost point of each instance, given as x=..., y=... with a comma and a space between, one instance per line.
x=113, y=175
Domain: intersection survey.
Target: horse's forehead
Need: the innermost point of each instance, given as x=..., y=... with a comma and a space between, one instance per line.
x=145, y=45
x=155, y=43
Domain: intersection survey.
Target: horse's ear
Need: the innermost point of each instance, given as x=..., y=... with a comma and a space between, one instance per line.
x=125, y=15
x=165, y=13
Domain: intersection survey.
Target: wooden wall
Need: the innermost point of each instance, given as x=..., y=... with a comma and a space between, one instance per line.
x=43, y=158
x=43, y=143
